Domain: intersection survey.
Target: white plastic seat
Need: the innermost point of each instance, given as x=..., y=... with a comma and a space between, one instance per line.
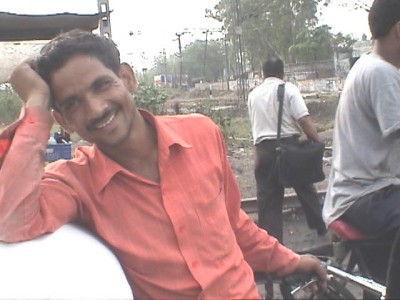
x=70, y=263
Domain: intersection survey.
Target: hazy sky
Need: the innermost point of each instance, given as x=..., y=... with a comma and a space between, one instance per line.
x=154, y=23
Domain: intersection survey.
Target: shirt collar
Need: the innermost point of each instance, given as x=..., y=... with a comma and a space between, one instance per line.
x=273, y=79
x=104, y=168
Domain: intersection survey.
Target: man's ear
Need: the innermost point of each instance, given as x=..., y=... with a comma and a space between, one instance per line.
x=60, y=120
x=128, y=76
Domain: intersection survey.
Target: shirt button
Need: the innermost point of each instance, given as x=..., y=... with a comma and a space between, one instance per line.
x=195, y=264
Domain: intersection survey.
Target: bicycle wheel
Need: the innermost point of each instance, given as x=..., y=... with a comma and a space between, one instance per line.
x=335, y=291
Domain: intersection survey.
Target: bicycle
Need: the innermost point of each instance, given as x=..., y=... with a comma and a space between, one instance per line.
x=295, y=286
x=346, y=268
x=355, y=252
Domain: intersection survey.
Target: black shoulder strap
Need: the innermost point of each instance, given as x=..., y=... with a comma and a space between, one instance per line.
x=281, y=94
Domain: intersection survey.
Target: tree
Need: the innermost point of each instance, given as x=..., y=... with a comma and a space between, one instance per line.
x=355, y=4
x=255, y=29
x=314, y=45
x=343, y=43
x=266, y=26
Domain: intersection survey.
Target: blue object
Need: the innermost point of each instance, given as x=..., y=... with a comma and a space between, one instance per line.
x=58, y=151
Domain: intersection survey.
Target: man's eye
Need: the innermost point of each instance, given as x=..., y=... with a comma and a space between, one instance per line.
x=101, y=85
x=69, y=104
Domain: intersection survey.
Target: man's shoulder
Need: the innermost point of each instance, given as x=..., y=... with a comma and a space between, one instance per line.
x=191, y=127
x=188, y=119
x=262, y=88
x=376, y=67
x=290, y=86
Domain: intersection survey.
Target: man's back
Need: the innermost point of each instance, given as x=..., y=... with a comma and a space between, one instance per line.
x=364, y=149
x=263, y=110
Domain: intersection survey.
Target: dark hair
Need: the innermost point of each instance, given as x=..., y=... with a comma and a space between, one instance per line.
x=382, y=16
x=273, y=67
x=61, y=48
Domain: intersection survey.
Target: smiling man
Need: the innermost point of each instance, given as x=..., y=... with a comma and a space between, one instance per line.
x=178, y=232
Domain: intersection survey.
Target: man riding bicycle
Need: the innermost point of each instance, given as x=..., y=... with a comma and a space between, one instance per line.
x=364, y=183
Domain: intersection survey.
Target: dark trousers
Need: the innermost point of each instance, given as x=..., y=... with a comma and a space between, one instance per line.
x=270, y=193
x=377, y=214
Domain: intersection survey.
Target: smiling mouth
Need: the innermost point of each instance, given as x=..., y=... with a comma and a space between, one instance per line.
x=107, y=122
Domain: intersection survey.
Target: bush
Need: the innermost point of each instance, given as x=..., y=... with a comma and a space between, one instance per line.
x=151, y=98
x=10, y=105
x=210, y=109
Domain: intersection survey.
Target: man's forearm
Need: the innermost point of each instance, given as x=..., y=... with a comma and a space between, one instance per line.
x=30, y=87
x=309, y=128
x=21, y=173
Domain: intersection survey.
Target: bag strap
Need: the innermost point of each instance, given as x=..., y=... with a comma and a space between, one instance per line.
x=281, y=94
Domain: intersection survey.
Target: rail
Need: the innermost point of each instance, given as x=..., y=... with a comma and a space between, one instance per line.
x=290, y=202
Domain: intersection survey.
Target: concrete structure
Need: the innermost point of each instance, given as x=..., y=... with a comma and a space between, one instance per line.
x=23, y=35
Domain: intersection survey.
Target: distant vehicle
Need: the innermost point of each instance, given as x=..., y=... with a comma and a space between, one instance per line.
x=170, y=80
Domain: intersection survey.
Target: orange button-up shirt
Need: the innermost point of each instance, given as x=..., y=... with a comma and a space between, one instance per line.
x=185, y=237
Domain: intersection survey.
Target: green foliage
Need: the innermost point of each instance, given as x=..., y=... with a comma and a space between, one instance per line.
x=343, y=43
x=204, y=60
x=313, y=45
x=256, y=29
x=10, y=105
x=267, y=26
x=240, y=126
x=211, y=109
x=151, y=98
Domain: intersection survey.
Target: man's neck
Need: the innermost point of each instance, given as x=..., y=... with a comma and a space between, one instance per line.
x=139, y=154
x=388, y=50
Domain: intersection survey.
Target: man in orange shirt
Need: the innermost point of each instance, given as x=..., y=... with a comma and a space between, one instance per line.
x=158, y=190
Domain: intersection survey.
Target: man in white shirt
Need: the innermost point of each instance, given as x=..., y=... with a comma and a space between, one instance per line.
x=263, y=112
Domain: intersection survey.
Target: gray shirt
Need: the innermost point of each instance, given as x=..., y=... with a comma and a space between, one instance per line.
x=366, y=137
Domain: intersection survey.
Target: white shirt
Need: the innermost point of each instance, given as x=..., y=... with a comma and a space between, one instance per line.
x=263, y=109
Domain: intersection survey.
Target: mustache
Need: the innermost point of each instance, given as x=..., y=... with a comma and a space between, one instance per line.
x=92, y=124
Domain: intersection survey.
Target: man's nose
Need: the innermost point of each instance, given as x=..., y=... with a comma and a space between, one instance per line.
x=94, y=106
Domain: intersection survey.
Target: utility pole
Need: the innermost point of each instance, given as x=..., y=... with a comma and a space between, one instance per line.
x=180, y=58
x=205, y=55
x=164, y=54
x=242, y=85
x=179, y=34
x=226, y=58
x=139, y=56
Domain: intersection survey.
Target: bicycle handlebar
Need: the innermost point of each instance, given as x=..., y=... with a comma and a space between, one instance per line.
x=368, y=283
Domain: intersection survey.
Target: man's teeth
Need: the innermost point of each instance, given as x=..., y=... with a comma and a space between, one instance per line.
x=107, y=122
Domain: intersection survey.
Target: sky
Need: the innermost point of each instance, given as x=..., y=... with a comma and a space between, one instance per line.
x=153, y=24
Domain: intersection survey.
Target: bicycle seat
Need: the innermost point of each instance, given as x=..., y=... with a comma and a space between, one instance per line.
x=346, y=231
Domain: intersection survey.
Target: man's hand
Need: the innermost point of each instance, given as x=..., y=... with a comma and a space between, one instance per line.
x=28, y=84
x=311, y=264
